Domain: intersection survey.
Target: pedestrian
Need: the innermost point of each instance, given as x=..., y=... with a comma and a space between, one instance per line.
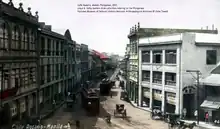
x=54, y=103
x=206, y=117
x=196, y=114
x=184, y=113
x=68, y=125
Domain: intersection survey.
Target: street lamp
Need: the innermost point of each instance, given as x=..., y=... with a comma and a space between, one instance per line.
x=197, y=91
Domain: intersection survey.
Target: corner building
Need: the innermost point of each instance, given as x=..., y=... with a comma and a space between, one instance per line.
x=18, y=63
x=164, y=61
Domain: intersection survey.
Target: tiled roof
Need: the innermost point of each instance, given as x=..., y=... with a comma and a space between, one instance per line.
x=102, y=56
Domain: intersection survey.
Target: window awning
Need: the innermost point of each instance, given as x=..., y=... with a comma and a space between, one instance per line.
x=210, y=104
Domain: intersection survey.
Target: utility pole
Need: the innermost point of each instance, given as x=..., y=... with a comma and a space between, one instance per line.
x=197, y=91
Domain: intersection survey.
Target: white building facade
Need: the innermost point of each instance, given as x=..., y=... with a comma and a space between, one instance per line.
x=163, y=61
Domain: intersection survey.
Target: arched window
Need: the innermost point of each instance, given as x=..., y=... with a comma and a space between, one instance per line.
x=24, y=42
x=4, y=44
x=15, y=38
x=32, y=43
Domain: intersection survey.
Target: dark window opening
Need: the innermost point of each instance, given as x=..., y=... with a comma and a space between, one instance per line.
x=42, y=74
x=157, y=57
x=145, y=56
x=170, y=57
x=48, y=73
x=211, y=57
x=157, y=77
x=42, y=52
x=145, y=75
x=48, y=47
x=170, y=78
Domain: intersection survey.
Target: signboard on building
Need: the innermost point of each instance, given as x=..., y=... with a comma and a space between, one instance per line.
x=147, y=94
x=157, y=96
x=171, y=98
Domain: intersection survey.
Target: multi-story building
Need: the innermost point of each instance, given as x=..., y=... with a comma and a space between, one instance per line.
x=164, y=61
x=78, y=65
x=19, y=63
x=132, y=84
x=69, y=62
x=84, y=63
x=96, y=64
x=51, y=66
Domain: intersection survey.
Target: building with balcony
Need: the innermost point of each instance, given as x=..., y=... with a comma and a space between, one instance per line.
x=19, y=56
x=52, y=84
x=163, y=80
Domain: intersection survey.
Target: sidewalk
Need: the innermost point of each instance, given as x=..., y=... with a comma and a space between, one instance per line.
x=203, y=125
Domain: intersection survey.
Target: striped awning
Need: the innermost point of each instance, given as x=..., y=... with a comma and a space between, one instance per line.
x=211, y=103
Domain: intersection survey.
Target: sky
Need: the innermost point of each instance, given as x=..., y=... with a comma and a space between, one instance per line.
x=107, y=32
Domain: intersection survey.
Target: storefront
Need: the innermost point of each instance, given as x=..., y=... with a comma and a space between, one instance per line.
x=145, y=97
x=133, y=91
x=157, y=98
x=211, y=105
x=170, y=100
x=22, y=108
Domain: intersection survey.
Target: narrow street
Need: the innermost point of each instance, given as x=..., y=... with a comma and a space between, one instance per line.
x=136, y=118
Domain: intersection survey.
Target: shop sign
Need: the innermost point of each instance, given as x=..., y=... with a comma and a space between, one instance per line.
x=157, y=96
x=171, y=100
x=147, y=94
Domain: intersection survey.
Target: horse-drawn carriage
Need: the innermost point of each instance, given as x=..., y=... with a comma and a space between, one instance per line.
x=120, y=109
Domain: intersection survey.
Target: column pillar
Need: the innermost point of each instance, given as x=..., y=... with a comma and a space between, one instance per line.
x=151, y=80
x=51, y=94
x=163, y=84
x=179, y=99
x=140, y=94
x=28, y=106
x=163, y=93
x=36, y=103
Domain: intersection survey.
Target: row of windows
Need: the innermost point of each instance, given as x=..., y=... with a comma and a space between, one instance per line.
x=51, y=47
x=170, y=78
x=170, y=57
x=19, y=75
x=133, y=47
x=51, y=72
x=23, y=40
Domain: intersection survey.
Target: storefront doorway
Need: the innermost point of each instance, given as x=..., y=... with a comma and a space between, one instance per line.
x=189, y=101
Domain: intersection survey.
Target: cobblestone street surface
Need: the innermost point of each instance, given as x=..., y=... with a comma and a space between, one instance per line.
x=136, y=118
